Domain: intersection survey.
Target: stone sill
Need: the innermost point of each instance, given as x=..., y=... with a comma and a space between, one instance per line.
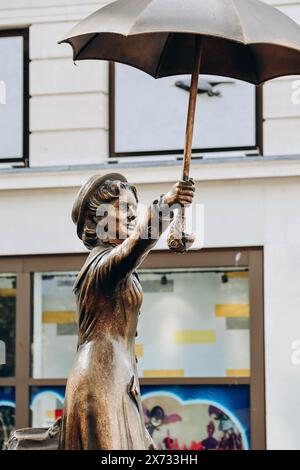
x=153, y=172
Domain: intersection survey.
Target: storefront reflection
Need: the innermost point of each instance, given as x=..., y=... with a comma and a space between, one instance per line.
x=197, y=417
x=7, y=414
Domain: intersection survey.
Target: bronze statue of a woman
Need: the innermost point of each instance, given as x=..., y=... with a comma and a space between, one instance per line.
x=103, y=406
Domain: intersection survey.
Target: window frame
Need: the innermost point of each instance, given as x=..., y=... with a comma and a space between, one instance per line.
x=251, y=258
x=15, y=315
x=113, y=154
x=24, y=32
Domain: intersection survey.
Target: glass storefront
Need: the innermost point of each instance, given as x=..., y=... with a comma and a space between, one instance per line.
x=7, y=324
x=198, y=417
x=46, y=405
x=194, y=323
x=7, y=413
x=178, y=417
x=200, y=359
x=54, y=324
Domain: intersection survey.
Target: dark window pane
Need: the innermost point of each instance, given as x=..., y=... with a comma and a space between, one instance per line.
x=7, y=413
x=7, y=324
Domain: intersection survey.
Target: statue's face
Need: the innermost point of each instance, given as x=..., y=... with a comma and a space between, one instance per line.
x=121, y=217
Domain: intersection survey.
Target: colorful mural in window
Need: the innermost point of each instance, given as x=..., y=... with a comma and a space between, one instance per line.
x=198, y=417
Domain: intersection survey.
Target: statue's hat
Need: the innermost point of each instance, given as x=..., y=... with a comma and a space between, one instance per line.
x=84, y=194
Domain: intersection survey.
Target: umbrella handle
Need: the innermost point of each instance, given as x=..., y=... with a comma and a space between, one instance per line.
x=178, y=240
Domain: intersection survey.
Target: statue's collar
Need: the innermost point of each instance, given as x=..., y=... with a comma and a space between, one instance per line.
x=95, y=253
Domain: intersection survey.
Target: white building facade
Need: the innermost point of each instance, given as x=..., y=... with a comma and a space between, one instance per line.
x=249, y=202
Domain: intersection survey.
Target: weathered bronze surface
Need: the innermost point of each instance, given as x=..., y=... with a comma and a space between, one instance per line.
x=178, y=240
x=103, y=406
x=244, y=39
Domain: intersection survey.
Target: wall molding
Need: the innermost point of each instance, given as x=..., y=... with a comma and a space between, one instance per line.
x=38, y=13
x=154, y=172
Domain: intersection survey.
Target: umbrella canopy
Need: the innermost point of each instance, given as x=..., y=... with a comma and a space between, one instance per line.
x=244, y=39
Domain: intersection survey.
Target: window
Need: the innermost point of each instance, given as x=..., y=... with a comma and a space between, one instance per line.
x=14, y=96
x=198, y=417
x=54, y=324
x=7, y=414
x=46, y=405
x=142, y=107
x=7, y=324
x=199, y=346
x=194, y=323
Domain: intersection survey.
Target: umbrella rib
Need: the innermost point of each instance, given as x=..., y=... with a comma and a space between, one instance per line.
x=85, y=46
x=162, y=55
x=249, y=50
x=250, y=53
x=138, y=17
x=239, y=17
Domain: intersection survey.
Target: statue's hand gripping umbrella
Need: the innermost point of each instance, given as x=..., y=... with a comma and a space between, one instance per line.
x=243, y=39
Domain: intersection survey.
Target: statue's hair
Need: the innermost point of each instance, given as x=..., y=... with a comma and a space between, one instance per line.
x=106, y=193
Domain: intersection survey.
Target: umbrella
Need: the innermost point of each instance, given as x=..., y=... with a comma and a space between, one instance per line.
x=242, y=39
